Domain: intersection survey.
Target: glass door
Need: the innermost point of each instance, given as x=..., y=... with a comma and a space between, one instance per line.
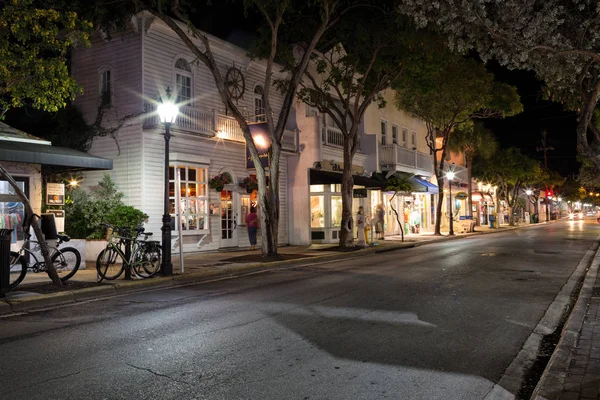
x=228, y=219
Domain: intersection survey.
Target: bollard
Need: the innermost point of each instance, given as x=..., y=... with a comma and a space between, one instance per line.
x=5, y=235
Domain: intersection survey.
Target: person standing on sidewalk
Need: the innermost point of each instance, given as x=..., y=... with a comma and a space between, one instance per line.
x=252, y=224
x=360, y=227
x=379, y=225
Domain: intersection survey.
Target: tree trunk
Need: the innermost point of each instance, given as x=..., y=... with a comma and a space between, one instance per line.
x=438, y=207
x=469, y=162
x=38, y=231
x=347, y=231
x=400, y=224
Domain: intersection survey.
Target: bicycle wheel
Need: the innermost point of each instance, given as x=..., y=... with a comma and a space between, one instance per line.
x=18, y=270
x=147, y=261
x=109, y=264
x=66, y=262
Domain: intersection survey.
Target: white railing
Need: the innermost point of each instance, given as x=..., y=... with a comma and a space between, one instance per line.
x=210, y=123
x=332, y=136
x=228, y=128
x=392, y=154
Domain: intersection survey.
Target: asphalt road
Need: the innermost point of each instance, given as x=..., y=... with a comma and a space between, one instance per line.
x=440, y=321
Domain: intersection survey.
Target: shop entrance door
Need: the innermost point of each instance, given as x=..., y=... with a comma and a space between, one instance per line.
x=229, y=216
x=391, y=223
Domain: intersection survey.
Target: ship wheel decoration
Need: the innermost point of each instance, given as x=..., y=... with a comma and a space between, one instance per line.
x=235, y=83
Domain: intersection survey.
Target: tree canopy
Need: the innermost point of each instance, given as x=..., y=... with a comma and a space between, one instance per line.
x=558, y=39
x=35, y=39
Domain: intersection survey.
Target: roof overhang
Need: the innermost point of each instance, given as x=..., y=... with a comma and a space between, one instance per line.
x=44, y=154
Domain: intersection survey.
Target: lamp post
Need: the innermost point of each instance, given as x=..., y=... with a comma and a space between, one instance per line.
x=167, y=112
x=529, y=192
x=450, y=176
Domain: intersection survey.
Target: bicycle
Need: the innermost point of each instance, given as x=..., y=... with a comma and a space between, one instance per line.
x=66, y=261
x=144, y=258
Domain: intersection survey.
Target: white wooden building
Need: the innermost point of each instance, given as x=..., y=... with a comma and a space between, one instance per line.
x=130, y=72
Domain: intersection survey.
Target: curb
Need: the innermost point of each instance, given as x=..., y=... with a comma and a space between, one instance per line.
x=21, y=304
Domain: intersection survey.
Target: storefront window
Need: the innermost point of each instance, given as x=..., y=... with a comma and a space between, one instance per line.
x=317, y=212
x=336, y=210
x=317, y=188
x=193, y=204
x=13, y=212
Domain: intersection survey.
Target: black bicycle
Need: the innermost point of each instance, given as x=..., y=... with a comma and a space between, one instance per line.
x=144, y=256
x=66, y=260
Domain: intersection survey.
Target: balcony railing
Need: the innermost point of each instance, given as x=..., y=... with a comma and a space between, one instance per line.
x=393, y=154
x=210, y=123
x=332, y=136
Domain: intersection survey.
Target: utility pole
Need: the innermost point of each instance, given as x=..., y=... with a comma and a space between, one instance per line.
x=544, y=147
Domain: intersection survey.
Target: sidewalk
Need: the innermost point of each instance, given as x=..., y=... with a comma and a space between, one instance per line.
x=573, y=372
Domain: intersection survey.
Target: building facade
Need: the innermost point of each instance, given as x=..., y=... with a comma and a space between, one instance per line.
x=124, y=77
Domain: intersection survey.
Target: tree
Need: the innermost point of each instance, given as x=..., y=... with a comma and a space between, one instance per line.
x=447, y=93
x=374, y=50
x=511, y=171
x=557, y=39
x=35, y=41
x=318, y=16
x=398, y=185
x=472, y=139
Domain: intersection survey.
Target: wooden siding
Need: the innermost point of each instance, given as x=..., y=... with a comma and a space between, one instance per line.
x=224, y=156
x=161, y=49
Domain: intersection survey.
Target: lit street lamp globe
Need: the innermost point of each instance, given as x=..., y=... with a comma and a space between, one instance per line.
x=167, y=112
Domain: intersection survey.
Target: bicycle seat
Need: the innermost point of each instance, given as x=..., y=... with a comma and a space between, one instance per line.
x=139, y=230
x=64, y=238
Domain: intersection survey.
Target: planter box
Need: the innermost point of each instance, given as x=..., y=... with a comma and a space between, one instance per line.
x=79, y=244
x=93, y=248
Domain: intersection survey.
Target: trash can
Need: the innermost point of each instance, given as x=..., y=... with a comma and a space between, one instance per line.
x=492, y=219
x=5, y=236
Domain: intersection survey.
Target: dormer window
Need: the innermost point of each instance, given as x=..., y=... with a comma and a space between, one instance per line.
x=105, y=88
x=183, y=81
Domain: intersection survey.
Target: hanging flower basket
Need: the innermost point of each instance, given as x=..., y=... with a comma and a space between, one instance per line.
x=218, y=182
x=250, y=184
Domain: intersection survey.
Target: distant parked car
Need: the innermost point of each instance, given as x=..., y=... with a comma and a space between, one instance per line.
x=576, y=214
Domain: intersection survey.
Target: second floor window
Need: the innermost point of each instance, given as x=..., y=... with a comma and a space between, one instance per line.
x=383, y=133
x=183, y=81
x=394, y=134
x=404, y=137
x=259, y=104
x=105, y=88
x=413, y=140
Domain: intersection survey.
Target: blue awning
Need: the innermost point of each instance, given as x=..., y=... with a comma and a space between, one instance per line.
x=423, y=186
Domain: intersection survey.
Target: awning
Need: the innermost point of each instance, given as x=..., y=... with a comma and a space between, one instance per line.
x=319, y=177
x=35, y=153
x=423, y=186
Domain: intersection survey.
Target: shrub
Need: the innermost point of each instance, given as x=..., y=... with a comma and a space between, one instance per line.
x=86, y=212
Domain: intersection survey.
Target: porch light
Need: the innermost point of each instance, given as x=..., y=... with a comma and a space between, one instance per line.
x=529, y=192
x=73, y=183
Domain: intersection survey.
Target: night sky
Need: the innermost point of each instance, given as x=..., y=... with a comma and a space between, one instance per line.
x=525, y=130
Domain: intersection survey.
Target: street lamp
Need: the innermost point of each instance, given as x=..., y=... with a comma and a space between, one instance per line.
x=450, y=177
x=529, y=192
x=167, y=112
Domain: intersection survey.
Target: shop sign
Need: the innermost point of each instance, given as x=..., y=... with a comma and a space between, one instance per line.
x=55, y=194
x=262, y=140
x=359, y=193
x=460, y=195
x=334, y=166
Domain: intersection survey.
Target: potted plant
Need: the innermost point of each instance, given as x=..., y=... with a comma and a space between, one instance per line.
x=250, y=184
x=218, y=182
